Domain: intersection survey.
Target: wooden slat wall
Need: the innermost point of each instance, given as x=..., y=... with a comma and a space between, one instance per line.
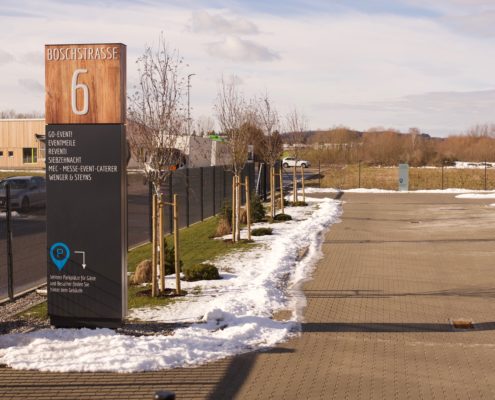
x=16, y=135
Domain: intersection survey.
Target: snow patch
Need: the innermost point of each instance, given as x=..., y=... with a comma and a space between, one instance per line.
x=476, y=196
x=364, y=190
x=228, y=316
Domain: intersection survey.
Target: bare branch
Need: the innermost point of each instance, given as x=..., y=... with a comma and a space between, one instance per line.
x=156, y=117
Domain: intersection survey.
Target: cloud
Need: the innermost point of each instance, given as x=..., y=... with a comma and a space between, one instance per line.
x=474, y=17
x=437, y=113
x=202, y=21
x=482, y=23
x=32, y=85
x=237, y=49
x=32, y=57
x=5, y=57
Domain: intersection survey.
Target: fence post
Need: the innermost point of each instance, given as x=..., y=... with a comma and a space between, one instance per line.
x=10, y=260
x=265, y=191
x=248, y=206
x=150, y=209
x=187, y=197
x=171, y=210
x=224, y=180
x=485, y=175
x=176, y=247
x=442, y=173
x=281, y=190
x=319, y=174
x=201, y=180
x=359, y=175
x=214, y=188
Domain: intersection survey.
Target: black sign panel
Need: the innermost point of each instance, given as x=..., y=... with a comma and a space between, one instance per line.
x=86, y=224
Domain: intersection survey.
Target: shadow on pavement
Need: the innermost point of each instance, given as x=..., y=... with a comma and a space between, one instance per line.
x=238, y=371
x=391, y=327
x=367, y=294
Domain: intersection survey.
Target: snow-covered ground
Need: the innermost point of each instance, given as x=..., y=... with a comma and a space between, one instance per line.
x=230, y=316
x=479, y=196
x=433, y=191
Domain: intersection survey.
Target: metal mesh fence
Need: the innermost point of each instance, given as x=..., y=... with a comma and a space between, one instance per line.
x=138, y=210
x=28, y=250
x=201, y=193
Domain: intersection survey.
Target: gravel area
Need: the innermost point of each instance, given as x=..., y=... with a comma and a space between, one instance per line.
x=11, y=322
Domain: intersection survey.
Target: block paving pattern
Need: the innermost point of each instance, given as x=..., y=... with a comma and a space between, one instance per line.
x=395, y=272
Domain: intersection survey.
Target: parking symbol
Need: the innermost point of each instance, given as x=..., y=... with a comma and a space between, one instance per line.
x=59, y=253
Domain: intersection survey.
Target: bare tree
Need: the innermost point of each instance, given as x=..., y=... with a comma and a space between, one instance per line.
x=12, y=114
x=235, y=118
x=296, y=126
x=271, y=146
x=156, y=120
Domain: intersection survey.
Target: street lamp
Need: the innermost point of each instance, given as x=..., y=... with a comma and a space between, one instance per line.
x=189, y=103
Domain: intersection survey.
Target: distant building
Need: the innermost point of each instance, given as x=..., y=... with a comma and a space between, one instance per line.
x=22, y=143
x=203, y=151
x=22, y=146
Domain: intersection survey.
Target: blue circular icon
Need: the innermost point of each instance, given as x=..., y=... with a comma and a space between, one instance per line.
x=59, y=253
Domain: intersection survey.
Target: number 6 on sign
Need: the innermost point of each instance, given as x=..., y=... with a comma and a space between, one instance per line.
x=85, y=90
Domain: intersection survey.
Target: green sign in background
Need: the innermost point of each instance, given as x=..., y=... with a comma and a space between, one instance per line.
x=403, y=177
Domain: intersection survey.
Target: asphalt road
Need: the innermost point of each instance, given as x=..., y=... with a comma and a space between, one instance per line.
x=308, y=174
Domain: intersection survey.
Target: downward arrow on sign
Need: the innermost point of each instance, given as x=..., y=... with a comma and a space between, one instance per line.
x=84, y=257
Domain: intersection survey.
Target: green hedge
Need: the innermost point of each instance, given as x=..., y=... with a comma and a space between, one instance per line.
x=261, y=231
x=200, y=272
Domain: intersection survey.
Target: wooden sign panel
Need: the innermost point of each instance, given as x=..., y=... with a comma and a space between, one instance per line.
x=85, y=83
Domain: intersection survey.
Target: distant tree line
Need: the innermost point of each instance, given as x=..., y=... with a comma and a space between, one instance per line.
x=12, y=114
x=378, y=146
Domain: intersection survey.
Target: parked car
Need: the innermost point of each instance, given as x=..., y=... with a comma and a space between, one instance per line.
x=25, y=192
x=291, y=161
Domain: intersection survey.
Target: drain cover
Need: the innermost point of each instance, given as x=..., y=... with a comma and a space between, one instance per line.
x=462, y=324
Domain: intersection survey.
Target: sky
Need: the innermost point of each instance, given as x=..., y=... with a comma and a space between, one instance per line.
x=361, y=64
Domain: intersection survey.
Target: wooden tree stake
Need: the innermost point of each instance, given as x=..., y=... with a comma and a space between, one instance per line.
x=153, y=244
x=273, y=209
x=238, y=209
x=302, y=184
x=294, y=183
x=233, y=208
x=162, y=246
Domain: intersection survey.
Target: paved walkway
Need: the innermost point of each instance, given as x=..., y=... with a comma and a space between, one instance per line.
x=395, y=272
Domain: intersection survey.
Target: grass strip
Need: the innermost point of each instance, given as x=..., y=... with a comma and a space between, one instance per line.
x=196, y=246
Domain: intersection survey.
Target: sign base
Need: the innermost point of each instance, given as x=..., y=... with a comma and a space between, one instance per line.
x=66, y=322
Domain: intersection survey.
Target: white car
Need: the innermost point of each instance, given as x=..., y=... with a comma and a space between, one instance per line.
x=291, y=161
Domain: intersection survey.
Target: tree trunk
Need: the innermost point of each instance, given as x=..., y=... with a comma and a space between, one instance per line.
x=233, y=204
x=238, y=209
x=272, y=191
x=302, y=184
x=294, y=183
x=281, y=192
